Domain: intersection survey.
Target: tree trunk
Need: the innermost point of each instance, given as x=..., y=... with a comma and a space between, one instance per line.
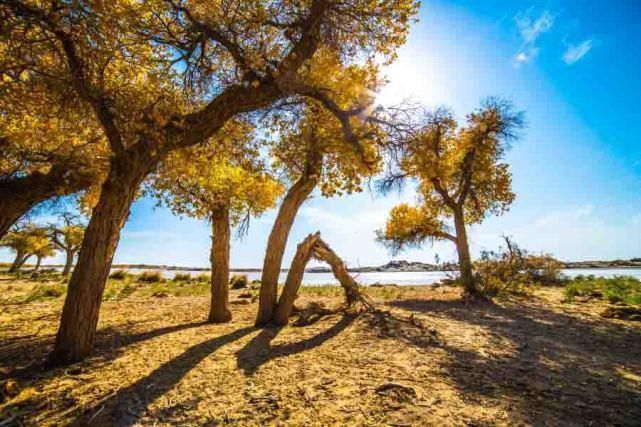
x=220, y=234
x=39, y=260
x=464, y=259
x=23, y=261
x=19, y=194
x=325, y=253
x=82, y=304
x=294, y=278
x=68, y=263
x=17, y=262
x=276, y=246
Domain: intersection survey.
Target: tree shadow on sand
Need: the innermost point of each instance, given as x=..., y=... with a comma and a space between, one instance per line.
x=23, y=357
x=557, y=364
x=259, y=350
x=128, y=405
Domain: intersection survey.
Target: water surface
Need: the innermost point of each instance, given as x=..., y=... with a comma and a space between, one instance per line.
x=405, y=278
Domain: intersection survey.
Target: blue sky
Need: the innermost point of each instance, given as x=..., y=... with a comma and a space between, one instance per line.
x=572, y=66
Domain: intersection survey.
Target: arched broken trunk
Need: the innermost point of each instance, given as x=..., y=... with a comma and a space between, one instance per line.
x=313, y=246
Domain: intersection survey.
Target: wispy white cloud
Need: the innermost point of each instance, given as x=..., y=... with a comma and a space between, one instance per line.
x=576, y=52
x=530, y=29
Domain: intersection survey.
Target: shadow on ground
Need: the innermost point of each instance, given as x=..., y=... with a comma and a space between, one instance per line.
x=128, y=405
x=560, y=364
x=259, y=350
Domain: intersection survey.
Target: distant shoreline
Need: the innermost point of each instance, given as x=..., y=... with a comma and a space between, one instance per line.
x=390, y=267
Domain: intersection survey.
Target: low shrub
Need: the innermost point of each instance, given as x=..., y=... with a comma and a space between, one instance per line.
x=119, y=275
x=203, y=277
x=150, y=276
x=514, y=270
x=625, y=289
x=238, y=281
x=182, y=277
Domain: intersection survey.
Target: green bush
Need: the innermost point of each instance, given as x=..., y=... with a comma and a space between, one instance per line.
x=119, y=275
x=150, y=276
x=182, y=277
x=625, y=289
x=238, y=281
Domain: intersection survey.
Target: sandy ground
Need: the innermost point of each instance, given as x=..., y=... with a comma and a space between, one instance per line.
x=526, y=361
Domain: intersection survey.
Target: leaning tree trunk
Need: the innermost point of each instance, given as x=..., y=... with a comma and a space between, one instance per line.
x=68, y=263
x=220, y=234
x=38, y=261
x=276, y=246
x=19, y=195
x=304, y=252
x=82, y=304
x=463, y=249
x=23, y=261
x=17, y=262
x=324, y=252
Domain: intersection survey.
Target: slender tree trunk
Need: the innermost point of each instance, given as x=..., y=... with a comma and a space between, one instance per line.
x=82, y=304
x=324, y=252
x=68, y=263
x=294, y=278
x=17, y=262
x=463, y=249
x=23, y=261
x=276, y=246
x=220, y=234
x=277, y=241
x=38, y=261
x=19, y=195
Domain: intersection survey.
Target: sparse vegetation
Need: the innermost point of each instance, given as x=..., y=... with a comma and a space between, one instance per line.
x=150, y=276
x=238, y=281
x=46, y=291
x=619, y=289
x=182, y=277
x=513, y=270
x=119, y=275
x=203, y=277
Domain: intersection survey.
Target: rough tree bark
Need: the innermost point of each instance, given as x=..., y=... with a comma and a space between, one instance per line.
x=38, y=261
x=19, y=194
x=82, y=304
x=463, y=249
x=220, y=234
x=277, y=241
x=323, y=252
x=294, y=278
x=68, y=262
